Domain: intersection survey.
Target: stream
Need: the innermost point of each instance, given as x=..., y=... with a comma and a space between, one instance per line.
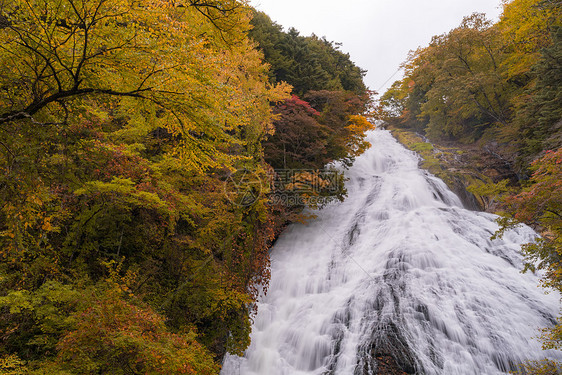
x=398, y=270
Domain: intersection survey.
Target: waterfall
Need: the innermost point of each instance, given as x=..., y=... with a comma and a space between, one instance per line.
x=398, y=270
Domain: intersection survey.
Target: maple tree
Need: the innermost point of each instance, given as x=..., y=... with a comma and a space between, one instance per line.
x=343, y=113
x=299, y=140
x=327, y=126
x=61, y=53
x=525, y=27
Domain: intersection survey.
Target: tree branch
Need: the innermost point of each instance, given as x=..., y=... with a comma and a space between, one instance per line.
x=33, y=108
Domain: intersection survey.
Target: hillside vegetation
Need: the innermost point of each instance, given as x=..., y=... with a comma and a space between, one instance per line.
x=126, y=243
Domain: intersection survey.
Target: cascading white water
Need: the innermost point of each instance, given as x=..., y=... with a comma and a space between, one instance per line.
x=401, y=270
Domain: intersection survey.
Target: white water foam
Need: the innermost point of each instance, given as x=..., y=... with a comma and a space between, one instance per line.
x=399, y=269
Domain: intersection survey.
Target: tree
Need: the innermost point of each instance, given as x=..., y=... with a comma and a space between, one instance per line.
x=60, y=53
x=540, y=205
x=119, y=123
x=539, y=113
x=115, y=336
x=299, y=140
x=306, y=63
x=342, y=113
x=453, y=89
x=468, y=94
x=525, y=27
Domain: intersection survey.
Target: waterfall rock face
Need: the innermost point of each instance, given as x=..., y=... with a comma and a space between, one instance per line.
x=399, y=271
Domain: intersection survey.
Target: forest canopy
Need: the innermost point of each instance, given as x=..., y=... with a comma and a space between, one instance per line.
x=487, y=81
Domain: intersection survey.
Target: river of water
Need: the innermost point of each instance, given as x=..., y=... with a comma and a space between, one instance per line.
x=399, y=269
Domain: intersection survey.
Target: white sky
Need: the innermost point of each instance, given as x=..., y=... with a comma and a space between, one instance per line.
x=378, y=34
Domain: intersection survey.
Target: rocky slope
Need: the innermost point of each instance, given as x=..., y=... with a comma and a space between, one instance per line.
x=474, y=172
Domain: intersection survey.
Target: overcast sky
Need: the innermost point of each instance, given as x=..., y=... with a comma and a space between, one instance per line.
x=376, y=33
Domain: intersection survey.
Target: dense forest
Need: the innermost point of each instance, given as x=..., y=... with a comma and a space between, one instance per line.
x=498, y=86
x=125, y=244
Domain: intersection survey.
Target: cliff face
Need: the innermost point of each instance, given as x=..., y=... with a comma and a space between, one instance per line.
x=464, y=168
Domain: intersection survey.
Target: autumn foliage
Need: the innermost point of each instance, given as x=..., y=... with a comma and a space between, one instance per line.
x=487, y=83
x=118, y=337
x=540, y=205
x=120, y=122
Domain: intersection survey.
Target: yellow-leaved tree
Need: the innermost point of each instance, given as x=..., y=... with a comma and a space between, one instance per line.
x=119, y=122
